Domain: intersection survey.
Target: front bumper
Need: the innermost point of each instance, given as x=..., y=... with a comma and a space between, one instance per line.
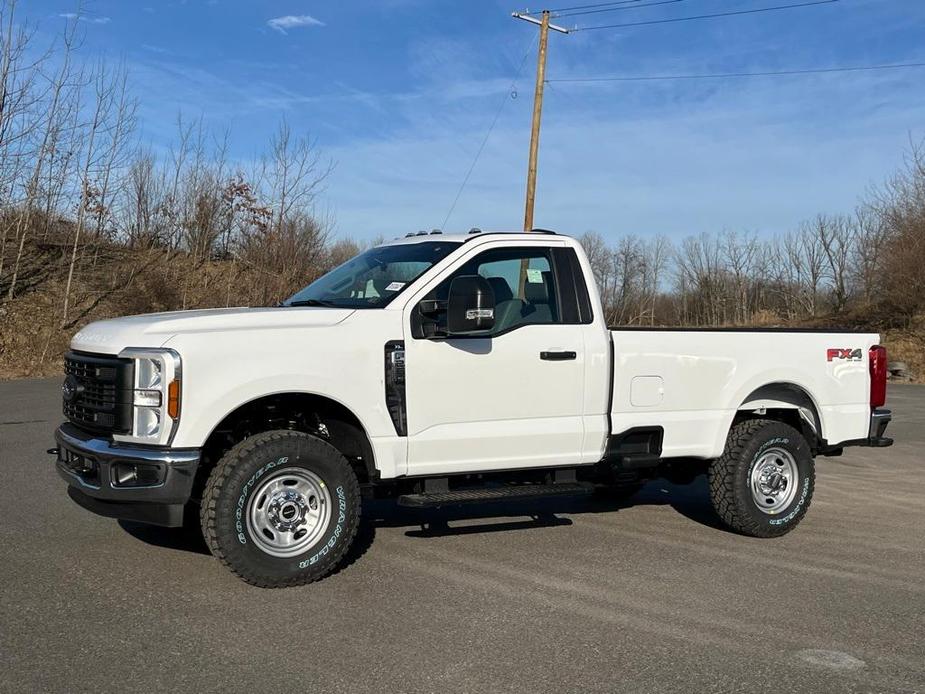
x=148, y=485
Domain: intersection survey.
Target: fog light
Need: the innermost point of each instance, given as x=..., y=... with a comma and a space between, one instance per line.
x=123, y=475
x=135, y=475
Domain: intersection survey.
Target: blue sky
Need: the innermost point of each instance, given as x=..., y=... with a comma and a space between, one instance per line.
x=399, y=93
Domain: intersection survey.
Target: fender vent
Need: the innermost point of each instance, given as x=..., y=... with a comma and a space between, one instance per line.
x=395, y=385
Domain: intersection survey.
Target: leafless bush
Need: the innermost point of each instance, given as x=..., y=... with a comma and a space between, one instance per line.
x=900, y=208
x=94, y=223
x=74, y=174
x=863, y=268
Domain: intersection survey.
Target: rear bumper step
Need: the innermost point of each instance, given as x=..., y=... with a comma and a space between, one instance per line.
x=486, y=495
x=879, y=420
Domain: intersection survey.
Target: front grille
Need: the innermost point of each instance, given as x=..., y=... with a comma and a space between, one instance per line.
x=100, y=388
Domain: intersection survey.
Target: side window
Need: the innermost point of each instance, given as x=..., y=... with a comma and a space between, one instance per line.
x=523, y=282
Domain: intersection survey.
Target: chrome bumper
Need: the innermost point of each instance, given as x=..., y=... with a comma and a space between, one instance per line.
x=143, y=484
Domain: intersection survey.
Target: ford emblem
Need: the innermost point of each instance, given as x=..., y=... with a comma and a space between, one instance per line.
x=70, y=388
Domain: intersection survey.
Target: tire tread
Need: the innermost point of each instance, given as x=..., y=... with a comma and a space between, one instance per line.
x=237, y=456
x=722, y=480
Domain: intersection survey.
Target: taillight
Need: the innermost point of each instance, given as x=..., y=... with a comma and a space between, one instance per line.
x=877, y=376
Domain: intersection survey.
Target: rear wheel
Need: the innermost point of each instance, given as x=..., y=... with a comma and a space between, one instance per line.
x=280, y=509
x=763, y=483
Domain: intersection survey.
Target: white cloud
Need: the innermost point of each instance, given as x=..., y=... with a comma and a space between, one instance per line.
x=293, y=21
x=84, y=18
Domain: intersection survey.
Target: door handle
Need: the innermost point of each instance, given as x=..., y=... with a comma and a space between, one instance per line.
x=558, y=356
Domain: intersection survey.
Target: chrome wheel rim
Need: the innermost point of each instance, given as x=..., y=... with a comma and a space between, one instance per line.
x=289, y=512
x=774, y=480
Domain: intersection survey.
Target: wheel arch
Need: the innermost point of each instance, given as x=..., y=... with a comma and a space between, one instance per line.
x=788, y=402
x=315, y=414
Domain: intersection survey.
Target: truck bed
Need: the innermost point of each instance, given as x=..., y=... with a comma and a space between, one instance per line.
x=694, y=381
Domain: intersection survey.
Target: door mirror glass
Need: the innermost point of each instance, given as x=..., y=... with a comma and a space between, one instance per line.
x=470, y=306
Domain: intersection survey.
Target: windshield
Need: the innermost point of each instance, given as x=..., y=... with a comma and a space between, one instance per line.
x=373, y=278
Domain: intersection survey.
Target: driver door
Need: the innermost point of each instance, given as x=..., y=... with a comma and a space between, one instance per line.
x=511, y=399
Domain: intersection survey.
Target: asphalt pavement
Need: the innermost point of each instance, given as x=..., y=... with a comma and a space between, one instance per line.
x=583, y=595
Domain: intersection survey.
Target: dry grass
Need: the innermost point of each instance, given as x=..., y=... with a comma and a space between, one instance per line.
x=123, y=282
x=907, y=346
x=33, y=342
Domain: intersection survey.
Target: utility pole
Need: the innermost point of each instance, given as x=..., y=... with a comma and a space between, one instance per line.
x=545, y=26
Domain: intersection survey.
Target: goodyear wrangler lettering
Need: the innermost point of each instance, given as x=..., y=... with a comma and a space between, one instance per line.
x=242, y=500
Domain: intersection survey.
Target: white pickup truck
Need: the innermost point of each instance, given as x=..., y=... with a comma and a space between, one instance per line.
x=442, y=370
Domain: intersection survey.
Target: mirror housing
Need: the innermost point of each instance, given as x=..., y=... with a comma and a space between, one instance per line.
x=471, y=306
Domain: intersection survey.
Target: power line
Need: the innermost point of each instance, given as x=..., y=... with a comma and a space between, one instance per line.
x=586, y=7
x=559, y=15
x=509, y=94
x=707, y=16
x=719, y=75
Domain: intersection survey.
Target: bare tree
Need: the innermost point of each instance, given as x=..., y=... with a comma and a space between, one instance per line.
x=835, y=239
x=868, y=242
x=657, y=253
x=805, y=255
x=51, y=136
x=19, y=115
x=740, y=254
x=117, y=152
x=900, y=205
x=142, y=195
x=599, y=256
x=287, y=250
x=699, y=273
x=106, y=119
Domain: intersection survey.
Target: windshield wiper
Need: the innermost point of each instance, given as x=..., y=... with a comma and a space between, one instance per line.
x=312, y=302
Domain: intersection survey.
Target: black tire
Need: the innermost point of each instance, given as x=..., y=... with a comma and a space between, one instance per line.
x=730, y=478
x=238, y=477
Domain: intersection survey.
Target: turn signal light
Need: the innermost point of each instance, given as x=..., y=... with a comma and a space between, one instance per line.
x=173, y=399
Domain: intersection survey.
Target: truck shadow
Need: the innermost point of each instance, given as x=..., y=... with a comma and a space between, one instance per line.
x=691, y=501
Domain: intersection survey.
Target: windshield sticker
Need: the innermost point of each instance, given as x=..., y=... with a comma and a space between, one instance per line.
x=534, y=276
x=394, y=286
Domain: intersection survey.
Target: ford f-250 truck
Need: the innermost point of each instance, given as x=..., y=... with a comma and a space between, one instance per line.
x=440, y=370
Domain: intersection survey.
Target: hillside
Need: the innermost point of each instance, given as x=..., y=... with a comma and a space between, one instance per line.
x=115, y=280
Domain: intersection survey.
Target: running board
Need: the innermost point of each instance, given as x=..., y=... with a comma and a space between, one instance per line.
x=476, y=496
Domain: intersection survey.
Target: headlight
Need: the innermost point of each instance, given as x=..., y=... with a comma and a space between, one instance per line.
x=148, y=372
x=156, y=396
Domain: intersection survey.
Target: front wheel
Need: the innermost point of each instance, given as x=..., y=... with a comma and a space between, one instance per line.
x=763, y=483
x=281, y=509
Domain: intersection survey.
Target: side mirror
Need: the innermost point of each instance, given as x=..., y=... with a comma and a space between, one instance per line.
x=471, y=306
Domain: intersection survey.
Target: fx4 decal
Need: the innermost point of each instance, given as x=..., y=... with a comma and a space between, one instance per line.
x=846, y=354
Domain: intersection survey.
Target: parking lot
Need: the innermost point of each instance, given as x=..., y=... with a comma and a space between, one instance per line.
x=549, y=596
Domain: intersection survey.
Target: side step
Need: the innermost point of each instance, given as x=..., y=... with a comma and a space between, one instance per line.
x=474, y=496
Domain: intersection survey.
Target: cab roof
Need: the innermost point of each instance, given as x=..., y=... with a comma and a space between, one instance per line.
x=472, y=234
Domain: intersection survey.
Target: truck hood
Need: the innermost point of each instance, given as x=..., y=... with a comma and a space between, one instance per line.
x=155, y=329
